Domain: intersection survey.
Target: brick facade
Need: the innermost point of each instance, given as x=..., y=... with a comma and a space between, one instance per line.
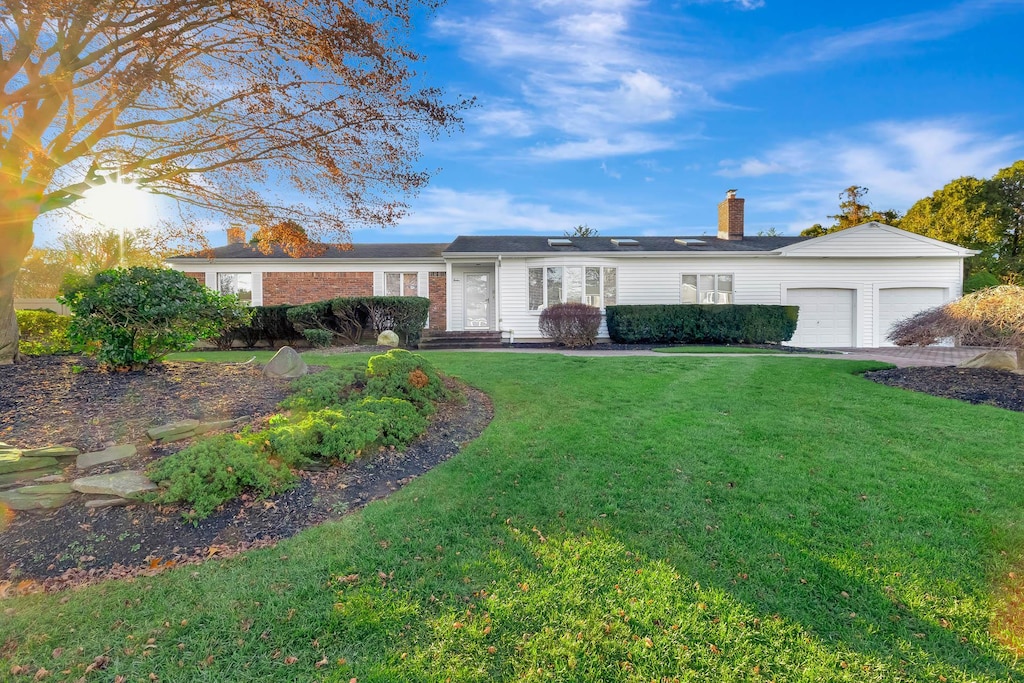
x=438, y=290
x=304, y=288
x=201, y=277
x=730, y=217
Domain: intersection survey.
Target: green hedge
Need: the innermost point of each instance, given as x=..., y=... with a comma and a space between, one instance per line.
x=43, y=332
x=701, y=324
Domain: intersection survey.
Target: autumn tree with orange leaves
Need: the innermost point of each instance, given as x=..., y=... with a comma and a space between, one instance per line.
x=205, y=101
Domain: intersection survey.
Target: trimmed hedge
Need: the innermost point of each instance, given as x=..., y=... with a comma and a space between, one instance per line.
x=701, y=324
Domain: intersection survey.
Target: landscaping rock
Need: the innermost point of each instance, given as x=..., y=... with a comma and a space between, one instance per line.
x=40, y=497
x=15, y=463
x=50, y=479
x=286, y=364
x=204, y=427
x=126, y=484
x=26, y=475
x=994, y=360
x=51, y=452
x=172, y=431
x=98, y=503
x=387, y=338
x=112, y=454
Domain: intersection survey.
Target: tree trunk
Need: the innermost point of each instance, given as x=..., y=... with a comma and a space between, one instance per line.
x=12, y=252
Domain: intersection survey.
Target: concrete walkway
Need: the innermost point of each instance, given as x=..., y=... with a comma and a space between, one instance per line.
x=912, y=356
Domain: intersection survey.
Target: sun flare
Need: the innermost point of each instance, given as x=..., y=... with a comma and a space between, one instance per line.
x=114, y=206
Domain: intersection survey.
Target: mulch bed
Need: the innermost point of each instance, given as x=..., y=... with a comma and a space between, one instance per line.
x=73, y=545
x=998, y=388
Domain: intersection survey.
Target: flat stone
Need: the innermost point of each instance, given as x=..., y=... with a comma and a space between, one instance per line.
x=213, y=426
x=51, y=452
x=993, y=360
x=42, y=497
x=387, y=338
x=286, y=364
x=163, y=432
x=107, y=503
x=126, y=484
x=26, y=475
x=50, y=479
x=19, y=464
x=112, y=454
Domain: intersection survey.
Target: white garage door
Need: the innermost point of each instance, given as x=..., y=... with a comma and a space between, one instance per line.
x=826, y=317
x=896, y=304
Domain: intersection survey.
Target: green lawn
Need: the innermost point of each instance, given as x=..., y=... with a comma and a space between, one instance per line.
x=716, y=349
x=622, y=519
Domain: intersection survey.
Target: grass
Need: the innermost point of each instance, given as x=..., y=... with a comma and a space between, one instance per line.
x=622, y=519
x=716, y=349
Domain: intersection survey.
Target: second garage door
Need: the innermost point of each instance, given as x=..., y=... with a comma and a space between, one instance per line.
x=899, y=303
x=826, y=317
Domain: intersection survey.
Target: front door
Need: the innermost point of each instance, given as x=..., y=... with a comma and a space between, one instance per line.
x=477, y=298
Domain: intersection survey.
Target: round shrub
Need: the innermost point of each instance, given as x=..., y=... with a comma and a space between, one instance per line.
x=573, y=325
x=136, y=316
x=400, y=374
x=318, y=339
x=43, y=332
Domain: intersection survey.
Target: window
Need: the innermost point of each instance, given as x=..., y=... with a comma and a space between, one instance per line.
x=571, y=284
x=401, y=284
x=239, y=284
x=706, y=289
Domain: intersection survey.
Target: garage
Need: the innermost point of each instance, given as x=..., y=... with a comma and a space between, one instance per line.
x=826, y=317
x=895, y=304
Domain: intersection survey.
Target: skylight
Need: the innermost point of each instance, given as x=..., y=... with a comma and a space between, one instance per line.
x=559, y=242
x=690, y=242
x=624, y=242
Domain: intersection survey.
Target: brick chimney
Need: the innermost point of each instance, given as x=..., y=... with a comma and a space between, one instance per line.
x=730, y=217
x=236, y=233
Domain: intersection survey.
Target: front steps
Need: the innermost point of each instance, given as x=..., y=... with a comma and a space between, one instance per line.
x=433, y=340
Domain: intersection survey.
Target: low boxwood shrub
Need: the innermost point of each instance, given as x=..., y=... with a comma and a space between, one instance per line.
x=400, y=421
x=409, y=376
x=574, y=325
x=136, y=316
x=43, y=332
x=318, y=339
x=701, y=324
x=216, y=470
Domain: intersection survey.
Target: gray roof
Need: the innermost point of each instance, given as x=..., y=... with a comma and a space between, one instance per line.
x=356, y=251
x=505, y=244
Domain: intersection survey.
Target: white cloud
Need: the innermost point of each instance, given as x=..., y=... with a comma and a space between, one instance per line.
x=898, y=161
x=582, y=72
x=449, y=212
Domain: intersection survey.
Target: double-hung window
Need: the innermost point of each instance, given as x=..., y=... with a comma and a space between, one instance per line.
x=401, y=284
x=706, y=289
x=592, y=285
x=239, y=284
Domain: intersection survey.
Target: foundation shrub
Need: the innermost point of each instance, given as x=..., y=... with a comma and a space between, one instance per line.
x=701, y=324
x=400, y=374
x=213, y=471
x=574, y=325
x=318, y=339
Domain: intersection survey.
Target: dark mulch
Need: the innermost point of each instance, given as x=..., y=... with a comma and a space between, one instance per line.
x=998, y=388
x=68, y=400
x=74, y=545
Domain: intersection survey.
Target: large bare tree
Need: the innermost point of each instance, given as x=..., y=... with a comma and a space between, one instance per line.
x=208, y=101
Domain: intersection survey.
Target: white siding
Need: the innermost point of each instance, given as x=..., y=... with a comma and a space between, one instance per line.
x=872, y=240
x=757, y=280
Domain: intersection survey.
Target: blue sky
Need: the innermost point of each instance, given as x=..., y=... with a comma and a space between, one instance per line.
x=635, y=117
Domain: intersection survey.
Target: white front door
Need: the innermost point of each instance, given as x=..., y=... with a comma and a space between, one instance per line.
x=477, y=301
